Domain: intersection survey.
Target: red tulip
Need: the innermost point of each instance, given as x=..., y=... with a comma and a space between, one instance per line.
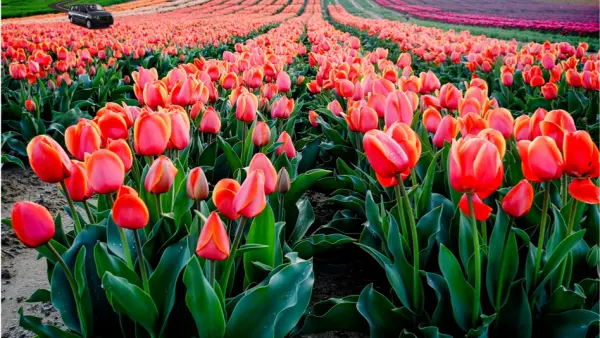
x=312, y=118
x=261, y=135
x=475, y=166
x=121, y=148
x=229, y=80
x=282, y=108
x=361, y=119
x=82, y=138
x=534, y=122
x=377, y=102
x=246, y=107
x=344, y=88
x=471, y=124
x=211, y=122
x=496, y=138
x=585, y=191
x=581, y=157
x=180, y=128
x=77, y=184
x=48, y=160
x=17, y=71
x=408, y=141
x=482, y=211
x=550, y=91
x=500, y=119
x=213, y=242
x=574, y=79
x=30, y=105
x=197, y=185
x=540, y=159
x=105, y=171
x=250, y=200
x=287, y=147
x=262, y=162
x=151, y=133
x=562, y=119
x=112, y=125
x=223, y=195
x=284, y=83
x=130, y=211
x=181, y=93
x=431, y=119
x=32, y=224
x=398, y=108
x=385, y=155
x=161, y=176
x=521, y=129
x=446, y=132
x=519, y=199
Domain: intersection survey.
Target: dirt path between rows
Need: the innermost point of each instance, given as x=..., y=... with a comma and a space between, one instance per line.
x=364, y=10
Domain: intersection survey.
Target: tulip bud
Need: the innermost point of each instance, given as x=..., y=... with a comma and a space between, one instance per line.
x=550, y=91
x=262, y=162
x=130, y=211
x=335, y=107
x=197, y=185
x=312, y=118
x=30, y=105
x=126, y=79
x=283, y=181
x=287, y=147
x=519, y=199
x=210, y=122
x=261, y=135
x=161, y=176
x=151, y=133
x=105, y=171
x=32, y=224
x=213, y=242
x=77, y=184
x=283, y=82
x=84, y=137
x=223, y=194
x=250, y=200
x=48, y=159
x=51, y=85
x=246, y=107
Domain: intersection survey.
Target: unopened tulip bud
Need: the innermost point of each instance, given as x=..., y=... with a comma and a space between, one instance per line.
x=32, y=224
x=197, y=185
x=213, y=243
x=283, y=181
x=30, y=105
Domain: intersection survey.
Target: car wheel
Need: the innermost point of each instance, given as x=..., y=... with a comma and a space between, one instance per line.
x=88, y=24
x=71, y=19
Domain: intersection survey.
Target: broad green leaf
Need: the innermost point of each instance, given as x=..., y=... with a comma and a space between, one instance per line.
x=262, y=231
x=107, y=262
x=338, y=314
x=39, y=296
x=319, y=243
x=427, y=228
x=232, y=158
x=569, y=324
x=461, y=293
x=514, y=317
x=306, y=217
x=378, y=311
x=424, y=194
x=83, y=293
x=35, y=325
x=203, y=302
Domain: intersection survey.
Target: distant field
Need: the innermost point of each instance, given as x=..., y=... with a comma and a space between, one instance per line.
x=20, y=8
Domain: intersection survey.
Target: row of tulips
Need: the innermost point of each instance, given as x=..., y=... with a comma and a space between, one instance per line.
x=194, y=202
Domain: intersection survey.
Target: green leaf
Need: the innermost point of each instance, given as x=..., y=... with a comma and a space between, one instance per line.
x=232, y=158
x=424, y=194
x=12, y=159
x=339, y=314
x=569, y=324
x=461, y=293
x=319, y=243
x=306, y=217
x=107, y=262
x=114, y=242
x=374, y=217
x=163, y=281
x=378, y=311
x=443, y=309
x=302, y=183
x=274, y=308
x=514, y=317
x=262, y=231
x=35, y=325
x=309, y=155
x=131, y=301
x=564, y=300
x=83, y=293
x=427, y=228
x=203, y=302
x=39, y=296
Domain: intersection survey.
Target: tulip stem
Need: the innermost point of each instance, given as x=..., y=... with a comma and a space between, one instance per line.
x=158, y=206
x=484, y=233
x=477, y=260
x=126, y=248
x=72, y=207
x=90, y=216
x=141, y=260
x=212, y=272
x=231, y=258
x=563, y=189
x=542, y=234
x=415, y=244
x=401, y=217
x=570, y=225
x=281, y=213
x=70, y=278
x=501, y=273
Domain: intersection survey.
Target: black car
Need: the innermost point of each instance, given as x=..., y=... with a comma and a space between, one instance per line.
x=90, y=15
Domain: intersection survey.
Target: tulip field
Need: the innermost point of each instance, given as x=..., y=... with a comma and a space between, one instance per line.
x=290, y=168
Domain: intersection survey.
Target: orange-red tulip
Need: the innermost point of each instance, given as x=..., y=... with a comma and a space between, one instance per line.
x=284, y=83
x=519, y=199
x=151, y=133
x=82, y=138
x=121, y=148
x=140, y=79
x=161, y=176
x=574, y=79
x=581, y=156
x=77, y=184
x=471, y=124
x=344, y=88
x=213, y=242
x=250, y=200
x=562, y=119
x=130, y=211
x=541, y=159
x=211, y=122
x=287, y=147
x=496, y=138
x=105, y=171
x=398, y=108
x=32, y=224
x=446, y=132
x=431, y=119
x=475, y=166
x=312, y=118
x=429, y=82
x=261, y=135
x=361, y=119
x=262, y=162
x=500, y=119
x=282, y=108
x=229, y=80
x=335, y=107
x=155, y=94
x=404, y=60
x=197, y=185
x=180, y=128
x=30, y=105
x=377, y=102
x=18, y=71
x=550, y=91
x=534, y=122
x=521, y=128
x=450, y=96
x=385, y=155
x=246, y=107
x=112, y=125
x=223, y=195
x=408, y=141
x=482, y=210
x=48, y=159
x=585, y=191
